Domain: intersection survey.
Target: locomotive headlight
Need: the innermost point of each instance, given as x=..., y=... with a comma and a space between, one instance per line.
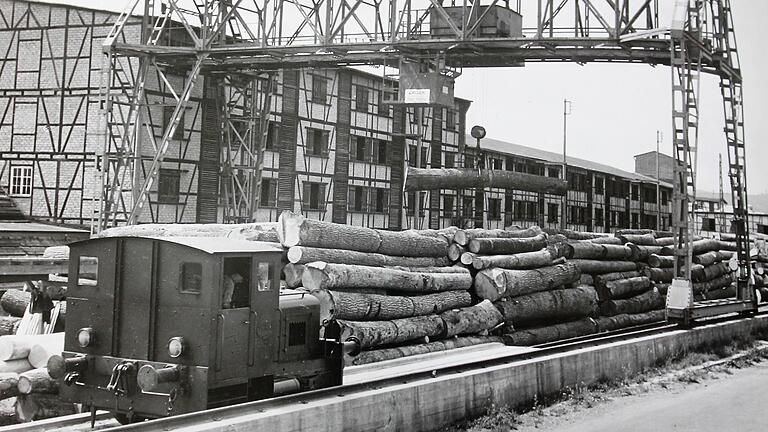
x=85, y=337
x=176, y=347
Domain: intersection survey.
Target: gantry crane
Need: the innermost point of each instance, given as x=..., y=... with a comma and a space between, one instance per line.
x=236, y=38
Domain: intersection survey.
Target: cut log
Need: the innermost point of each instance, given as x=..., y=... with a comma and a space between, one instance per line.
x=711, y=257
x=17, y=366
x=411, y=244
x=556, y=305
x=447, y=233
x=492, y=284
x=607, y=240
x=712, y=272
x=448, y=269
x=540, y=335
x=368, y=307
x=586, y=279
x=9, y=385
x=623, y=288
x=727, y=246
x=37, y=381
x=18, y=346
x=467, y=258
x=463, y=237
x=377, y=355
x=305, y=255
x=40, y=352
x=662, y=287
x=589, y=250
x=421, y=179
x=481, y=317
x=661, y=261
x=638, y=239
x=8, y=325
x=719, y=282
x=521, y=261
x=628, y=320
x=600, y=267
x=261, y=231
x=292, y=274
x=576, y=235
x=455, y=251
x=320, y=275
x=558, y=246
x=642, y=253
x=41, y=406
x=15, y=302
x=660, y=274
x=645, y=302
x=601, y=280
x=717, y=293
x=665, y=241
x=699, y=247
x=506, y=246
x=369, y=334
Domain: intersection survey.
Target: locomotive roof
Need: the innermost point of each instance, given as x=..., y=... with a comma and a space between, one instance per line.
x=213, y=245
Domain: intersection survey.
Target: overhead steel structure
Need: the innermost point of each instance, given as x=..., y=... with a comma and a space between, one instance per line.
x=244, y=41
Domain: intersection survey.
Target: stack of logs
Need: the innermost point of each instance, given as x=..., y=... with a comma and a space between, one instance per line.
x=391, y=293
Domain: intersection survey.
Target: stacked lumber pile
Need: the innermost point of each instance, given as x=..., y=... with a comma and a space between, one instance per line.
x=390, y=293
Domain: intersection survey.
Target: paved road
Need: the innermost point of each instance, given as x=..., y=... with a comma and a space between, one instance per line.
x=738, y=402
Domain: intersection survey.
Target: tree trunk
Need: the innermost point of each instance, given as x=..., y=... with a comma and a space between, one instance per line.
x=628, y=320
x=645, y=302
x=727, y=246
x=455, y=251
x=540, y=335
x=661, y=261
x=369, y=334
x=556, y=305
x=600, y=267
x=638, y=239
x=8, y=325
x=494, y=283
x=383, y=354
x=296, y=230
x=463, y=237
x=717, y=293
x=321, y=275
x=623, y=288
x=420, y=179
x=369, y=307
x=589, y=250
x=521, y=261
x=448, y=269
x=261, y=231
x=18, y=346
x=699, y=247
x=660, y=274
x=607, y=240
x=576, y=235
x=711, y=272
x=601, y=280
x=292, y=274
x=586, y=279
x=719, y=282
x=37, y=381
x=665, y=241
x=642, y=253
x=471, y=320
x=40, y=352
x=41, y=406
x=306, y=255
x=17, y=366
x=15, y=302
x=9, y=385
x=502, y=246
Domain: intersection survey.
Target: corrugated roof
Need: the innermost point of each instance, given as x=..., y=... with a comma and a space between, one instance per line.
x=557, y=158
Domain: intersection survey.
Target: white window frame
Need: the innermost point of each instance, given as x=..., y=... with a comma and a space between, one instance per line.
x=21, y=181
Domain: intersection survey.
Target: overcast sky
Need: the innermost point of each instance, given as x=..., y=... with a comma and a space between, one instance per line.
x=617, y=108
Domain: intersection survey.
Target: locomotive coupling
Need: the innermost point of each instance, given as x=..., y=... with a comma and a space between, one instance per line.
x=58, y=366
x=149, y=377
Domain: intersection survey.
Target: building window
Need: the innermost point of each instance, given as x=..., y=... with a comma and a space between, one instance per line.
x=450, y=119
x=635, y=221
x=708, y=224
x=314, y=196
x=21, y=181
x=599, y=185
x=762, y=229
x=359, y=150
x=178, y=134
x=469, y=161
x=635, y=192
x=268, y=192
x=361, y=98
x=494, y=208
x=598, y=217
x=380, y=200
x=553, y=211
x=168, y=186
x=383, y=107
x=664, y=198
x=358, y=198
x=317, y=142
x=553, y=172
x=191, y=277
x=411, y=208
x=448, y=206
x=381, y=151
x=273, y=134
x=450, y=160
x=497, y=164
x=649, y=195
x=319, y=89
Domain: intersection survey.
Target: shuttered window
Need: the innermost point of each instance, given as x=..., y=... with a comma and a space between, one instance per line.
x=494, y=209
x=379, y=200
x=319, y=89
x=268, y=192
x=361, y=98
x=168, y=186
x=316, y=142
x=313, y=197
x=273, y=134
x=178, y=134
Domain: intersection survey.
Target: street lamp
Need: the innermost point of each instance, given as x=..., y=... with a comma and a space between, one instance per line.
x=567, y=109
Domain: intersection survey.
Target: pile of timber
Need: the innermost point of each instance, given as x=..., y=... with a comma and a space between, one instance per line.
x=390, y=293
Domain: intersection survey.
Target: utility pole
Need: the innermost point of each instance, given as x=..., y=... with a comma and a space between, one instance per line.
x=567, y=106
x=659, y=138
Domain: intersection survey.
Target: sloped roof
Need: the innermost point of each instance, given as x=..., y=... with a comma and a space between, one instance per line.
x=557, y=158
x=115, y=6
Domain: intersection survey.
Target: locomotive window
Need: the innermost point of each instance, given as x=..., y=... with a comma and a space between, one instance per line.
x=297, y=333
x=236, y=283
x=264, y=276
x=191, y=277
x=88, y=270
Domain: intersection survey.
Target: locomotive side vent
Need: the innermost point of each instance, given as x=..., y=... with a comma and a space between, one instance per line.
x=297, y=333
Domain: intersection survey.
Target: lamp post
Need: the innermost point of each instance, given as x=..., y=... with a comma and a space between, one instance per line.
x=478, y=133
x=567, y=108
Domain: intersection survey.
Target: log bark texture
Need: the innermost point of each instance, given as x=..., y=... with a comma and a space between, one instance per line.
x=377, y=355
x=455, y=251
x=661, y=261
x=37, y=381
x=699, y=247
x=607, y=240
x=9, y=385
x=645, y=302
x=321, y=275
x=576, y=235
x=292, y=274
x=590, y=250
x=664, y=275
x=8, y=325
x=41, y=406
x=628, y=320
x=556, y=305
x=601, y=280
x=521, y=261
x=600, y=267
x=261, y=231
x=492, y=284
x=463, y=237
x=420, y=179
x=369, y=334
x=623, y=288
x=540, y=335
x=15, y=302
x=642, y=253
x=717, y=293
x=638, y=239
x=369, y=307
x=500, y=246
x=471, y=320
x=719, y=282
x=305, y=255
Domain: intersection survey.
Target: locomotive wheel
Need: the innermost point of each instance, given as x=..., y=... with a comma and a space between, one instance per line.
x=123, y=419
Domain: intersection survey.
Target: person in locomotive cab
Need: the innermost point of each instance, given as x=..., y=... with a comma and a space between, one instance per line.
x=230, y=283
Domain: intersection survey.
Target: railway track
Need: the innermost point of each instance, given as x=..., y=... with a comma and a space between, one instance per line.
x=81, y=422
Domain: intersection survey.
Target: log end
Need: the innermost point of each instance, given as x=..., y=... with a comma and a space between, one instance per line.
x=294, y=254
x=314, y=276
x=467, y=258
x=490, y=284
x=289, y=228
x=460, y=237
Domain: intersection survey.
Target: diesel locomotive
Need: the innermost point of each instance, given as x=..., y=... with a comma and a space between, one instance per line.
x=166, y=326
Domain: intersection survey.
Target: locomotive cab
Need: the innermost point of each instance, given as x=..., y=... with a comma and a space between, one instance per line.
x=165, y=326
